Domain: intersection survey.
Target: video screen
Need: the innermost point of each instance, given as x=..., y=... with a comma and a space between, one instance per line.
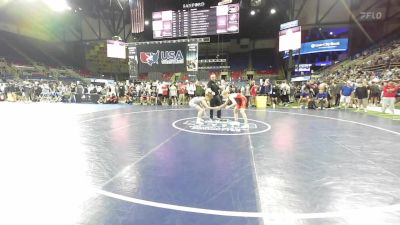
x=222, y=19
x=116, y=49
x=290, y=39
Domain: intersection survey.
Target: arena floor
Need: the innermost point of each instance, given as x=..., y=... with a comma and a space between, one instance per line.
x=136, y=165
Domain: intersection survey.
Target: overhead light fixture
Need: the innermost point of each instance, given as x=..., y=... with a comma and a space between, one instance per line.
x=252, y=12
x=57, y=5
x=273, y=11
x=331, y=33
x=146, y=22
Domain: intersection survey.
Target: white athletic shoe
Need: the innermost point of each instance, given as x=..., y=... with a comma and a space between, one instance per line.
x=245, y=126
x=235, y=123
x=199, y=122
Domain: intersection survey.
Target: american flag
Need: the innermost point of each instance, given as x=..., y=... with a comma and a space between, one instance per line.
x=137, y=15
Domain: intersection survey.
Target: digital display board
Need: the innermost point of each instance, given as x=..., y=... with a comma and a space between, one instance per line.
x=326, y=63
x=116, y=49
x=222, y=19
x=303, y=68
x=290, y=39
x=329, y=45
x=290, y=24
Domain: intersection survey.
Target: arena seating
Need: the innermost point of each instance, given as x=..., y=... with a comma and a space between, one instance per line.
x=98, y=62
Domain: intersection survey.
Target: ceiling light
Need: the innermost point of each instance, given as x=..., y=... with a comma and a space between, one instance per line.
x=273, y=11
x=252, y=12
x=57, y=5
x=146, y=22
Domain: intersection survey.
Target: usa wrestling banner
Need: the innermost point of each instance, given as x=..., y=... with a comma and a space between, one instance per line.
x=162, y=58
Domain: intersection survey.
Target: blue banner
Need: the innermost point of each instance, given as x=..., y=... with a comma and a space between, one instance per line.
x=330, y=45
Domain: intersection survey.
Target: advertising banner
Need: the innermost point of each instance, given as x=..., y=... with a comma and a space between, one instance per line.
x=236, y=75
x=290, y=24
x=192, y=61
x=303, y=68
x=132, y=63
x=330, y=45
x=162, y=58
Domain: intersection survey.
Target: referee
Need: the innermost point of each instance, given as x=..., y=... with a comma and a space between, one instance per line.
x=216, y=100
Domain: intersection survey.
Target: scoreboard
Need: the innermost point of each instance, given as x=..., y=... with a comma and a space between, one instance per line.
x=222, y=19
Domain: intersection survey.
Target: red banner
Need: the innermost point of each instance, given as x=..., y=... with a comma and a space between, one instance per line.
x=184, y=77
x=167, y=76
x=266, y=72
x=144, y=76
x=236, y=75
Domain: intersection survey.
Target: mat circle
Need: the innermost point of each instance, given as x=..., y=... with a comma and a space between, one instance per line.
x=221, y=128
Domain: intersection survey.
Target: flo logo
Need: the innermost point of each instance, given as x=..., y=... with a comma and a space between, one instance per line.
x=222, y=127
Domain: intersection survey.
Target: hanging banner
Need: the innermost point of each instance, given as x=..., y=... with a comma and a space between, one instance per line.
x=162, y=58
x=236, y=75
x=303, y=68
x=192, y=57
x=144, y=76
x=132, y=63
x=167, y=76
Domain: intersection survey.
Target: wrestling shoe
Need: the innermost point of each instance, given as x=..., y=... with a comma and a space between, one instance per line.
x=235, y=123
x=245, y=126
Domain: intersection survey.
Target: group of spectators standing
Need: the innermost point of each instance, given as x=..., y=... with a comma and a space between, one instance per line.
x=53, y=91
x=352, y=89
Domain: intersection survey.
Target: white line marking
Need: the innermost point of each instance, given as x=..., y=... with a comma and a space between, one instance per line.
x=390, y=208
x=341, y=120
x=257, y=183
x=222, y=134
x=140, y=159
x=135, y=112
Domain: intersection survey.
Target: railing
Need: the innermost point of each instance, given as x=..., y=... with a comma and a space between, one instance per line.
x=383, y=66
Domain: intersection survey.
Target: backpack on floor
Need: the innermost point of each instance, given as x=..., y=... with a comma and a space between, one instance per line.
x=312, y=105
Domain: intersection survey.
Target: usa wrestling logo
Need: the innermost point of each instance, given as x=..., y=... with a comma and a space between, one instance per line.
x=221, y=127
x=167, y=57
x=149, y=58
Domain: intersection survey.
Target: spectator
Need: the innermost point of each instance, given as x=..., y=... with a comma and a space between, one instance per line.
x=275, y=95
x=113, y=99
x=199, y=89
x=173, y=93
x=246, y=91
x=191, y=88
x=375, y=93
x=322, y=98
x=182, y=93
x=390, y=90
x=253, y=93
x=285, y=92
x=361, y=93
x=335, y=93
x=345, y=94
x=305, y=96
